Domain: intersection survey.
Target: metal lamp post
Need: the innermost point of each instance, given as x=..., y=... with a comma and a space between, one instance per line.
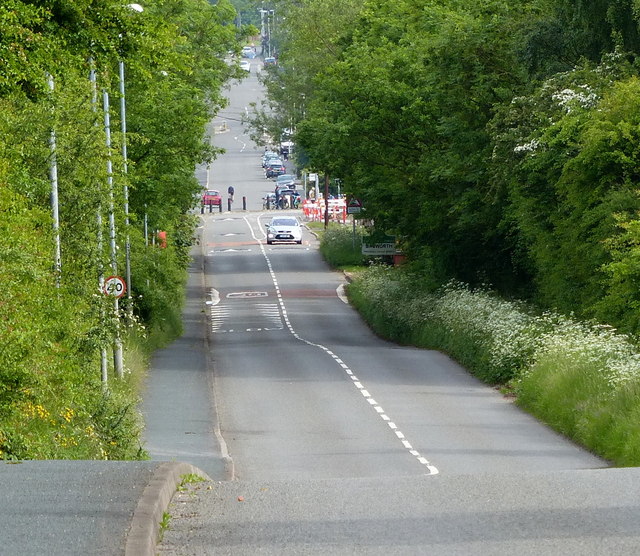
x=117, y=345
x=123, y=125
x=53, y=177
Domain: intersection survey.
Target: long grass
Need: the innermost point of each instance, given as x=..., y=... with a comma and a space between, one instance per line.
x=582, y=379
x=340, y=246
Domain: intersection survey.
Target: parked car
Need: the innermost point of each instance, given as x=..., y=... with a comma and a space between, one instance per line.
x=285, y=229
x=274, y=168
x=270, y=61
x=269, y=155
x=288, y=180
x=248, y=52
x=211, y=197
x=245, y=65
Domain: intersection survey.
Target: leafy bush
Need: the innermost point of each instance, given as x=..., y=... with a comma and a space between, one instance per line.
x=55, y=323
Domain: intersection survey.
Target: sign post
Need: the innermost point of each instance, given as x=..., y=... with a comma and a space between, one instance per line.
x=354, y=206
x=115, y=286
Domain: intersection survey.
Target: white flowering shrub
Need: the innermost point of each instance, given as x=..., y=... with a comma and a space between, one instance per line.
x=505, y=334
x=584, y=97
x=493, y=337
x=613, y=356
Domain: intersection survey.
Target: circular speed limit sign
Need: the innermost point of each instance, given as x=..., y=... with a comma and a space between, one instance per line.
x=115, y=286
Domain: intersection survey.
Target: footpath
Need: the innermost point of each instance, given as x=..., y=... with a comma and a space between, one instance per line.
x=72, y=508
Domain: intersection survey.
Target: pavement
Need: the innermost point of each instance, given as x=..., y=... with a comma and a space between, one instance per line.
x=85, y=507
x=178, y=405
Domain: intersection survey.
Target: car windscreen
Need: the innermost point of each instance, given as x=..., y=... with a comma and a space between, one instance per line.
x=284, y=222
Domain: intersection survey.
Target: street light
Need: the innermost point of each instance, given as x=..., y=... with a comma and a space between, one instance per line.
x=118, y=361
x=117, y=347
x=123, y=126
x=53, y=178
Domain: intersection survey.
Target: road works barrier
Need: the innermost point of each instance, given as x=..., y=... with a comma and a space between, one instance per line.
x=314, y=210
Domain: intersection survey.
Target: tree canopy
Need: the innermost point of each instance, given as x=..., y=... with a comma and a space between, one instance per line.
x=56, y=322
x=495, y=139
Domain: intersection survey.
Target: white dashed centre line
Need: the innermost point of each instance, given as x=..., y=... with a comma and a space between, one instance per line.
x=432, y=470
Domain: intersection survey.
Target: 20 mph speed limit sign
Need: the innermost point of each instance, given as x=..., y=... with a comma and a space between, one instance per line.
x=115, y=286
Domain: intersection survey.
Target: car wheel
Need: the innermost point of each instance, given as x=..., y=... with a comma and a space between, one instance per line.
x=269, y=242
x=299, y=242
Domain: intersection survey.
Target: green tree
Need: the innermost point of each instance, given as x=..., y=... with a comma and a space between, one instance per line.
x=52, y=403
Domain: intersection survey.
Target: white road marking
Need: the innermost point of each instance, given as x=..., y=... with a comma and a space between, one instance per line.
x=215, y=296
x=342, y=296
x=244, y=145
x=432, y=470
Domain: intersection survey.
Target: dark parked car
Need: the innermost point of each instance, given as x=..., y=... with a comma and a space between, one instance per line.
x=274, y=168
x=286, y=180
x=268, y=156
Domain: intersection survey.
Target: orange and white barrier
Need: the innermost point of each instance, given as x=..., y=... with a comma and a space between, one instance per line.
x=314, y=210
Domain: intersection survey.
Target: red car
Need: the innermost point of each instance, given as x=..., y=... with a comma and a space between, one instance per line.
x=211, y=197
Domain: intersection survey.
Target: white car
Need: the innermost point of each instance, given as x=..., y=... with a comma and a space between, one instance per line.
x=284, y=228
x=245, y=65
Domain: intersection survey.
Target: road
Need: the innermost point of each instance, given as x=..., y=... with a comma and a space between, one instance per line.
x=334, y=441
x=307, y=391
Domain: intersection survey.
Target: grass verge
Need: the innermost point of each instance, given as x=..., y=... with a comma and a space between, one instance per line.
x=338, y=244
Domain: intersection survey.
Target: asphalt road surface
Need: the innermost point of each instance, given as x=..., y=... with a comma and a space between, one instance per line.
x=305, y=390
x=323, y=439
